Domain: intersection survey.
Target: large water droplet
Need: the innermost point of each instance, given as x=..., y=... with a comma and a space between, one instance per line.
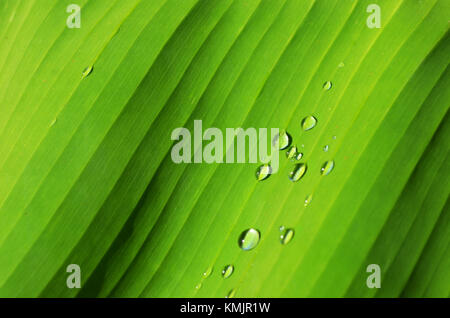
x=207, y=272
x=327, y=85
x=263, y=172
x=282, y=140
x=249, y=239
x=298, y=172
x=291, y=153
x=231, y=293
x=87, y=71
x=308, y=199
x=309, y=122
x=227, y=271
x=327, y=167
x=299, y=156
x=287, y=236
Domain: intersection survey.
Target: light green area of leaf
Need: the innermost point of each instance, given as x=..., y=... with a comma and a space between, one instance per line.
x=86, y=175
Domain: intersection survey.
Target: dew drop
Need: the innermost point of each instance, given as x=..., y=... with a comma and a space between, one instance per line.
x=327, y=167
x=325, y=148
x=287, y=236
x=282, y=228
x=308, y=199
x=334, y=137
x=299, y=156
x=282, y=140
x=327, y=85
x=309, y=122
x=298, y=172
x=231, y=293
x=207, y=272
x=291, y=153
x=87, y=71
x=198, y=286
x=227, y=271
x=341, y=65
x=263, y=172
x=249, y=239
x=53, y=122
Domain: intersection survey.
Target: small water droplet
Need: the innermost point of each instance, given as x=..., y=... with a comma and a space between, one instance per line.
x=291, y=153
x=207, y=272
x=299, y=156
x=309, y=122
x=282, y=140
x=308, y=199
x=287, y=236
x=263, y=172
x=249, y=239
x=231, y=293
x=227, y=271
x=327, y=167
x=341, y=64
x=198, y=286
x=87, y=71
x=334, y=137
x=282, y=228
x=327, y=85
x=325, y=148
x=53, y=122
x=298, y=172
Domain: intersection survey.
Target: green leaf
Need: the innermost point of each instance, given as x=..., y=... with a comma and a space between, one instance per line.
x=87, y=177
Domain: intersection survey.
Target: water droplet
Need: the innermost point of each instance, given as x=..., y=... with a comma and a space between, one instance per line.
x=282, y=140
x=334, y=137
x=327, y=85
x=325, y=148
x=249, y=239
x=287, y=236
x=87, y=71
x=308, y=199
x=298, y=172
x=263, y=172
x=53, y=122
x=309, y=122
x=282, y=228
x=227, y=271
x=291, y=153
x=198, y=286
x=327, y=167
x=207, y=272
x=231, y=293
x=341, y=64
x=299, y=156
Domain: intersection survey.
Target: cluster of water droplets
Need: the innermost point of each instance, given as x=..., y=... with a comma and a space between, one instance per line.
x=250, y=238
x=283, y=141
